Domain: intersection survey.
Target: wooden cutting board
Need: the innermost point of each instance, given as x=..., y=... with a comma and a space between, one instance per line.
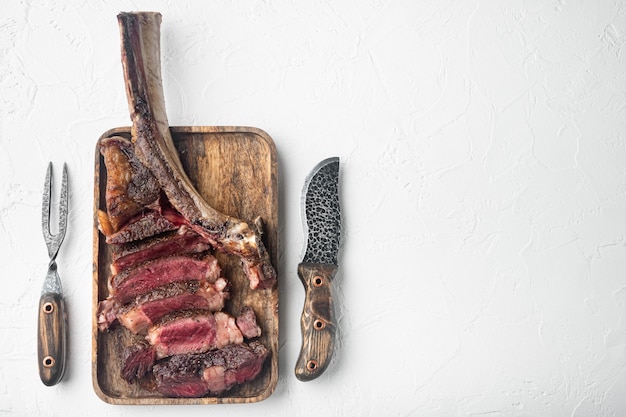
x=235, y=170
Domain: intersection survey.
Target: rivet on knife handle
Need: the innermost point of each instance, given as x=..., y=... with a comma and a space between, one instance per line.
x=318, y=320
x=51, y=338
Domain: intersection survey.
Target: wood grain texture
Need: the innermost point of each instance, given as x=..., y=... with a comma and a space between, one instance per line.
x=317, y=322
x=235, y=170
x=51, y=338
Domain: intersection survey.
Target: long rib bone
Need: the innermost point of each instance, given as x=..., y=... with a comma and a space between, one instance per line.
x=141, y=63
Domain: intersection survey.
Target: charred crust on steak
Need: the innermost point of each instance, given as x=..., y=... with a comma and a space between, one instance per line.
x=213, y=372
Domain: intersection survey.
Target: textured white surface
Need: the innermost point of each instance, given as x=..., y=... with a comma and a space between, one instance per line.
x=484, y=191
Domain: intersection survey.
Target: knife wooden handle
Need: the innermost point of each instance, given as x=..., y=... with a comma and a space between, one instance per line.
x=51, y=338
x=318, y=320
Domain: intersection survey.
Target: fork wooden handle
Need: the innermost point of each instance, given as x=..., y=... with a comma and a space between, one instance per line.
x=51, y=338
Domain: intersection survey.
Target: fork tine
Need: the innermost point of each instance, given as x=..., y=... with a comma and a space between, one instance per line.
x=63, y=206
x=45, y=205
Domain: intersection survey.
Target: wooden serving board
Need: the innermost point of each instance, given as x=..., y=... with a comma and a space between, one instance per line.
x=235, y=170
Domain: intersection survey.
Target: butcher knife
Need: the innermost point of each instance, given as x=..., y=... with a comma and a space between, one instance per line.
x=321, y=216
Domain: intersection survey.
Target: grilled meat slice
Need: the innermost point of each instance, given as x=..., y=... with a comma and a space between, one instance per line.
x=147, y=224
x=212, y=372
x=137, y=362
x=182, y=241
x=146, y=310
x=246, y=322
x=193, y=332
x=141, y=279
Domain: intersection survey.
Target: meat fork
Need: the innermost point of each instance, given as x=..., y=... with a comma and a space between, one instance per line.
x=52, y=323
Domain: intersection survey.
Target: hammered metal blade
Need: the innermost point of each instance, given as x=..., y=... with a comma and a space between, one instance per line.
x=321, y=213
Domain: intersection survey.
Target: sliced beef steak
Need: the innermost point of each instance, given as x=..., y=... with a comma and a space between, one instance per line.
x=131, y=283
x=193, y=332
x=182, y=241
x=147, y=224
x=141, y=64
x=183, y=333
x=166, y=288
x=146, y=310
x=213, y=372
